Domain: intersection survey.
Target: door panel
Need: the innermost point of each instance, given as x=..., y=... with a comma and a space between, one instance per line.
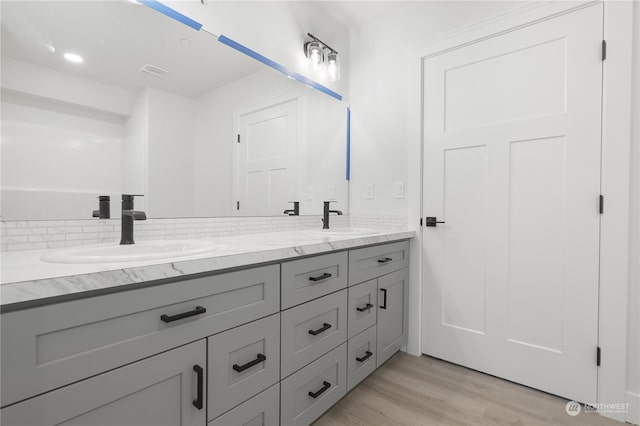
x=512, y=166
x=266, y=166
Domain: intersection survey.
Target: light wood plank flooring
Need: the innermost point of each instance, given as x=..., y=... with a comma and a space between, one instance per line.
x=410, y=390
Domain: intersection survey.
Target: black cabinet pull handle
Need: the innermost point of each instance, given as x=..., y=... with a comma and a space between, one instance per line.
x=324, y=328
x=325, y=386
x=367, y=307
x=198, y=402
x=365, y=357
x=384, y=299
x=321, y=277
x=240, y=368
x=385, y=260
x=170, y=318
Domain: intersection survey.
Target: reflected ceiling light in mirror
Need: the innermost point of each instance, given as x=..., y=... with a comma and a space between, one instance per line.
x=320, y=54
x=74, y=58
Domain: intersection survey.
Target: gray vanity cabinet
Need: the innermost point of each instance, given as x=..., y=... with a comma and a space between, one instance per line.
x=160, y=390
x=262, y=346
x=393, y=302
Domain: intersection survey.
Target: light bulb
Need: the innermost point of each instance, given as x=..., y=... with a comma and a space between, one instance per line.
x=314, y=53
x=333, y=66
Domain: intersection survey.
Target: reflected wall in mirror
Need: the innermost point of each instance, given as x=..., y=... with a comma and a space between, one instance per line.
x=155, y=108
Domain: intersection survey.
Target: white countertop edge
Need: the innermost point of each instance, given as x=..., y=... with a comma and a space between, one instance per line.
x=254, y=249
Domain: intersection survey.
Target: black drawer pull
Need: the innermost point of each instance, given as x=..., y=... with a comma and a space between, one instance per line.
x=322, y=329
x=198, y=402
x=384, y=303
x=367, y=307
x=197, y=311
x=325, y=386
x=366, y=357
x=385, y=260
x=240, y=368
x=321, y=277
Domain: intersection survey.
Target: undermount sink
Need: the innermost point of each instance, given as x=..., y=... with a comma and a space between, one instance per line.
x=144, y=250
x=343, y=232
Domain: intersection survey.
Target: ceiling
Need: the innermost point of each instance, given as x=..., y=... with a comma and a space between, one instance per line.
x=352, y=14
x=117, y=38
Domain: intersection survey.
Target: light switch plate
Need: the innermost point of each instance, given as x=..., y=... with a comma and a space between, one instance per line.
x=331, y=192
x=369, y=191
x=399, y=189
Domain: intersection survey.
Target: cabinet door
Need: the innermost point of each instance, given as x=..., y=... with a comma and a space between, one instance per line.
x=393, y=300
x=157, y=391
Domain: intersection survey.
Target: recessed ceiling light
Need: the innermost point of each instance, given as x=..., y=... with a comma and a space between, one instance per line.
x=72, y=57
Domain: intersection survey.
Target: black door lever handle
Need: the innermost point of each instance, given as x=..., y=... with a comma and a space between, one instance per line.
x=432, y=221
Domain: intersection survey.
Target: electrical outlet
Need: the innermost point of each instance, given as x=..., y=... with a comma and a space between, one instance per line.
x=369, y=191
x=399, y=190
x=308, y=193
x=331, y=192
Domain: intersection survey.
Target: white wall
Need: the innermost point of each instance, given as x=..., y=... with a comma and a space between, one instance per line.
x=633, y=330
x=170, y=155
x=23, y=77
x=378, y=94
x=61, y=145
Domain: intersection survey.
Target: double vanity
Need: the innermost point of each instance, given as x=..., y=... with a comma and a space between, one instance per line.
x=265, y=329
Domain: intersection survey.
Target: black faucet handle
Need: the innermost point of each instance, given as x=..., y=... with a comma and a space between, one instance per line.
x=129, y=197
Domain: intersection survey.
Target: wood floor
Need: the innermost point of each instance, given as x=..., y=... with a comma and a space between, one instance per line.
x=410, y=390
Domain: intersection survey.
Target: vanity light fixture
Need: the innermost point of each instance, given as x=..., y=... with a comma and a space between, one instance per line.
x=320, y=53
x=72, y=57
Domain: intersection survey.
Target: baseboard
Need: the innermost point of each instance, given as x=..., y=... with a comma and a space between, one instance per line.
x=633, y=415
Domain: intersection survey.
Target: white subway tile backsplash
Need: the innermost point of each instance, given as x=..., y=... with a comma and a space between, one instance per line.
x=32, y=235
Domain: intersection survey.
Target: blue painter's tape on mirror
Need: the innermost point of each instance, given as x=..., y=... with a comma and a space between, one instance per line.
x=276, y=66
x=348, y=143
x=166, y=10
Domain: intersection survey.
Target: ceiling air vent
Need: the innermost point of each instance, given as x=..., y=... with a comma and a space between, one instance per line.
x=154, y=70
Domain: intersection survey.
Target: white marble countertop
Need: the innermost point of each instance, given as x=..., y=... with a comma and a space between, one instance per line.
x=25, y=279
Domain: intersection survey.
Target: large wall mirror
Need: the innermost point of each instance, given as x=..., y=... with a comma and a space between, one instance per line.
x=159, y=109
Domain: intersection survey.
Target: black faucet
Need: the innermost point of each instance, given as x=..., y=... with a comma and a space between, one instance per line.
x=105, y=208
x=128, y=216
x=296, y=209
x=325, y=214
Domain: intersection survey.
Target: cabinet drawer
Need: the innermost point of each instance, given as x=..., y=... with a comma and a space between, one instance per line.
x=362, y=306
x=159, y=390
x=371, y=262
x=312, y=329
x=51, y=346
x=242, y=362
x=261, y=410
x=308, y=279
x=325, y=378
x=361, y=357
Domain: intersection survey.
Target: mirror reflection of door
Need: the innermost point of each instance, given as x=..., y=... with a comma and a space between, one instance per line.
x=266, y=160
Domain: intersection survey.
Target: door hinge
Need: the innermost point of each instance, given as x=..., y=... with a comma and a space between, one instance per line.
x=420, y=221
x=598, y=356
x=237, y=205
x=601, y=204
x=604, y=49
x=238, y=138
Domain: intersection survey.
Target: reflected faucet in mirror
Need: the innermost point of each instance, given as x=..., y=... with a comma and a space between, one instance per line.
x=325, y=214
x=296, y=209
x=104, y=207
x=128, y=216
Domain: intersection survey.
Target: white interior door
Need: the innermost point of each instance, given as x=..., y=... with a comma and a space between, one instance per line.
x=266, y=166
x=512, y=166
